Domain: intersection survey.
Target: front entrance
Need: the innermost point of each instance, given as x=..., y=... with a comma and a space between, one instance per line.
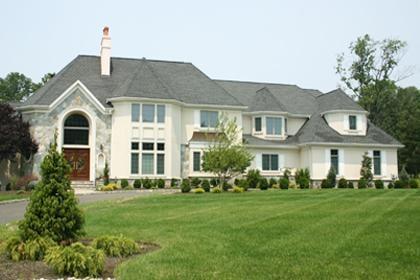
x=79, y=160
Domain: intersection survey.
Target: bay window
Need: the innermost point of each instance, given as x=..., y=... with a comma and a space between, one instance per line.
x=208, y=119
x=273, y=125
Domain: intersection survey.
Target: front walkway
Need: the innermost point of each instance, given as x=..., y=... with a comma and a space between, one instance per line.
x=14, y=211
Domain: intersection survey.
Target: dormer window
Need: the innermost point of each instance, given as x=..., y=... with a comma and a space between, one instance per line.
x=208, y=119
x=273, y=126
x=352, y=122
x=258, y=124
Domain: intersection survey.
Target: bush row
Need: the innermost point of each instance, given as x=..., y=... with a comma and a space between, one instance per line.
x=377, y=184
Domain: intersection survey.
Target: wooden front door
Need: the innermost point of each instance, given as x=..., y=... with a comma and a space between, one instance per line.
x=79, y=160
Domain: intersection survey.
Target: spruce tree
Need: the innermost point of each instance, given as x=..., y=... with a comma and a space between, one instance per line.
x=53, y=209
x=331, y=178
x=366, y=170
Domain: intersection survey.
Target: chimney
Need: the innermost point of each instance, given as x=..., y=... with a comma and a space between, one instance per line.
x=106, y=53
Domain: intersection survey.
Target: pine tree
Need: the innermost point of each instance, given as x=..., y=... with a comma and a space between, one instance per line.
x=53, y=208
x=331, y=178
x=366, y=170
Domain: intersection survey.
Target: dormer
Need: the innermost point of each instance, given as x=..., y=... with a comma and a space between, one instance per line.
x=269, y=126
x=347, y=122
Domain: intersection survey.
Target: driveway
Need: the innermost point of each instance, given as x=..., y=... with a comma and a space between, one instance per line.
x=14, y=211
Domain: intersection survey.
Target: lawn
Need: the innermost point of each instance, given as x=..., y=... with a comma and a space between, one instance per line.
x=11, y=195
x=269, y=234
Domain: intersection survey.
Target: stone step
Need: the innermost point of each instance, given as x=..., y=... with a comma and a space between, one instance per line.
x=83, y=185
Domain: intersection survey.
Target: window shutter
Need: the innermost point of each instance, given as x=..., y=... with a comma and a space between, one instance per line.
x=359, y=123
x=383, y=163
x=258, y=161
x=341, y=162
x=197, y=118
x=281, y=161
x=370, y=154
x=346, y=122
x=327, y=160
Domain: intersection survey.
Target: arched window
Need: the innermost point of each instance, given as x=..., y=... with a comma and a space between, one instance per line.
x=76, y=130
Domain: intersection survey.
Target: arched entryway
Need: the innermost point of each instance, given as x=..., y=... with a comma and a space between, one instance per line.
x=76, y=145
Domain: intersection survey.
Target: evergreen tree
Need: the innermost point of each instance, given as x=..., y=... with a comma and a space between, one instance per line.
x=366, y=170
x=53, y=208
x=331, y=178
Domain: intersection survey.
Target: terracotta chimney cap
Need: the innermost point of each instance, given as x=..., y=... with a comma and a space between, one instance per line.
x=105, y=31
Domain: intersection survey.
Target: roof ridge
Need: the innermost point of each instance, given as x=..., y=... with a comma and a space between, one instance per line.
x=137, y=59
x=160, y=80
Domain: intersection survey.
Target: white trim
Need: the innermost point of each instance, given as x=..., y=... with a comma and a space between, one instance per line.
x=383, y=163
x=277, y=113
x=351, y=145
x=291, y=147
x=345, y=111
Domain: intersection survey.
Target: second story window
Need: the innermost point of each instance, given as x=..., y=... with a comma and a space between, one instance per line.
x=258, y=124
x=208, y=119
x=135, y=112
x=352, y=122
x=148, y=113
x=160, y=113
x=273, y=126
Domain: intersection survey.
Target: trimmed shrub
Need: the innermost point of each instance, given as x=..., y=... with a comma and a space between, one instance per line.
x=116, y=246
x=147, y=183
x=272, y=182
x=76, y=260
x=33, y=250
x=350, y=185
x=174, y=183
x=253, y=177
x=160, y=183
x=185, y=186
x=304, y=183
x=124, y=183
x=199, y=190
x=303, y=178
x=53, y=209
x=390, y=185
x=243, y=183
x=263, y=184
x=195, y=182
x=324, y=184
x=379, y=184
x=413, y=184
x=342, y=183
x=362, y=183
x=216, y=190
x=331, y=178
x=226, y=186
x=106, y=174
x=137, y=184
x=284, y=183
x=214, y=182
x=205, y=184
x=237, y=189
x=398, y=184
x=236, y=181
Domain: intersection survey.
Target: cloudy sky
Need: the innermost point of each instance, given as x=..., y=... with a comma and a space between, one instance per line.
x=293, y=42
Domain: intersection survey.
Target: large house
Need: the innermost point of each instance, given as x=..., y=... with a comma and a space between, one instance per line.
x=152, y=118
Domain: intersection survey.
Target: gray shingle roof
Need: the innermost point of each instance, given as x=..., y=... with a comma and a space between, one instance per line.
x=336, y=100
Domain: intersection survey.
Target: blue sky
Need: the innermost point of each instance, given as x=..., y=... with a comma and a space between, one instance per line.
x=293, y=42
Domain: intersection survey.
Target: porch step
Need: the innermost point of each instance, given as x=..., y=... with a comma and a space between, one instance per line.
x=83, y=185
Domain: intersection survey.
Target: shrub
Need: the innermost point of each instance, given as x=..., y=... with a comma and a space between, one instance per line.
x=195, y=182
x=272, y=182
x=214, y=182
x=303, y=178
x=106, y=174
x=404, y=176
x=362, y=184
x=124, y=183
x=53, y=209
x=324, y=184
x=342, y=183
x=147, y=183
x=304, y=183
x=33, y=250
x=390, y=185
x=205, y=184
x=253, y=177
x=286, y=173
x=116, y=246
x=412, y=183
x=76, y=260
x=379, y=184
x=243, y=183
x=350, y=185
x=331, y=178
x=199, y=190
x=398, y=184
x=160, y=183
x=237, y=189
x=129, y=188
x=236, y=181
x=174, y=183
x=226, y=186
x=284, y=183
x=107, y=188
x=137, y=184
x=216, y=190
x=185, y=186
x=263, y=185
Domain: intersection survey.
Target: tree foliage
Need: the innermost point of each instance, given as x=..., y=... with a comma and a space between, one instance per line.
x=226, y=157
x=366, y=170
x=53, y=209
x=15, y=136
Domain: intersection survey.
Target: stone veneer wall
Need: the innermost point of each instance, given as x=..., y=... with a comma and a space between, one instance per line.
x=43, y=126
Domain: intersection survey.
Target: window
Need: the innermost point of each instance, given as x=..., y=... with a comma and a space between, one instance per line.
x=352, y=122
x=148, y=146
x=147, y=163
x=160, y=113
x=134, y=163
x=208, y=118
x=160, y=165
x=76, y=130
x=160, y=146
x=273, y=125
x=258, y=124
x=377, y=162
x=148, y=113
x=334, y=160
x=134, y=145
x=270, y=162
x=285, y=126
x=196, y=161
x=135, y=112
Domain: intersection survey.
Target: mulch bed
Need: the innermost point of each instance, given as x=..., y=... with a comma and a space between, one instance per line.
x=10, y=270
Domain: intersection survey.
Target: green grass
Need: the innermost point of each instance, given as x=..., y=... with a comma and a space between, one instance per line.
x=356, y=234
x=11, y=195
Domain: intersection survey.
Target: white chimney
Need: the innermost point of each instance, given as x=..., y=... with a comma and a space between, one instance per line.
x=106, y=53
